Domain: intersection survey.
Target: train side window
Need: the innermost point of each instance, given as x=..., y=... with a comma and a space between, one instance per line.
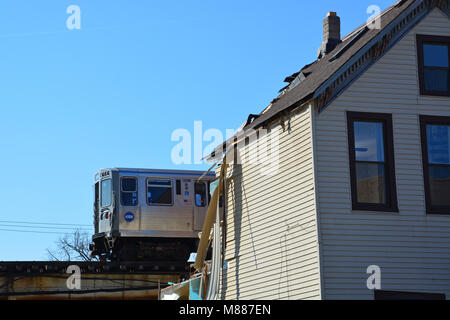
x=178, y=187
x=200, y=194
x=159, y=192
x=128, y=191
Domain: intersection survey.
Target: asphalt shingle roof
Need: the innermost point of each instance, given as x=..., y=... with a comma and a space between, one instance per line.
x=321, y=70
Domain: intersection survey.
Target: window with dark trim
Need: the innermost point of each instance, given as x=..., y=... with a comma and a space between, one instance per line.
x=433, y=54
x=178, y=187
x=128, y=191
x=435, y=133
x=200, y=194
x=159, y=192
x=372, y=167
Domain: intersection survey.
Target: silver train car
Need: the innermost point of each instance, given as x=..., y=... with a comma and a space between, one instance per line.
x=148, y=215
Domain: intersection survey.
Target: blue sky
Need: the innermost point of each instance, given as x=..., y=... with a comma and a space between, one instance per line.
x=112, y=93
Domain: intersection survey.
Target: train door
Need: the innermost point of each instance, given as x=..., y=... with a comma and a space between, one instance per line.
x=200, y=203
x=129, y=211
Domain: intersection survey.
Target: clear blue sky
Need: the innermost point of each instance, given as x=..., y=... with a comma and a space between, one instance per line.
x=112, y=93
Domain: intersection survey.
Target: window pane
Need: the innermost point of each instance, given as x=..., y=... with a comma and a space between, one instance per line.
x=438, y=141
x=129, y=184
x=160, y=182
x=106, y=193
x=369, y=141
x=435, y=55
x=200, y=194
x=436, y=80
x=129, y=198
x=440, y=186
x=157, y=195
x=371, y=183
x=178, y=187
x=159, y=192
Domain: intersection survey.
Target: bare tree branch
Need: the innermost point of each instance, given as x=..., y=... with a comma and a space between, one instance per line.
x=51, y=255
x=70, y=246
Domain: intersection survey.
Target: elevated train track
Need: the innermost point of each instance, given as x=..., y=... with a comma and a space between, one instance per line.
x=45, y=280
x=139, y=215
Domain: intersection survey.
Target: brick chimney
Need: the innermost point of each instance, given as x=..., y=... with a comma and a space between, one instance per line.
x=331, y=34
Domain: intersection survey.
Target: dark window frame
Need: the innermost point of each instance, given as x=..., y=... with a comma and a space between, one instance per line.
x=391, y=186
x=205, y=194
x=137, y=191
x=171, y=194
x=424, y=121
x=178, y=187
x=437, y=40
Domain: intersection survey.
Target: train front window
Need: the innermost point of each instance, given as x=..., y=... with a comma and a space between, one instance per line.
x=106, y=193
x=128, y=191
x=159, y=192
x=200, y=194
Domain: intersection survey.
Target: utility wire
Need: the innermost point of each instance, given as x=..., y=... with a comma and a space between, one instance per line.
x=47, y=223
x=37, y=227
x=29, y=231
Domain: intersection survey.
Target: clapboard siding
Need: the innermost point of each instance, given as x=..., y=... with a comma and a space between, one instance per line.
x=412, y=249
x=271, y=236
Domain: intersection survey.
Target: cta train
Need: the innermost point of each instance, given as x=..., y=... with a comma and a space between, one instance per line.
x=148, y=215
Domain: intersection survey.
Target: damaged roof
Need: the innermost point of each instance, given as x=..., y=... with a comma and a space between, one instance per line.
x=317, y=73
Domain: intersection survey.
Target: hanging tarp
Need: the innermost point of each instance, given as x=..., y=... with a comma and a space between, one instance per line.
x=210, y=219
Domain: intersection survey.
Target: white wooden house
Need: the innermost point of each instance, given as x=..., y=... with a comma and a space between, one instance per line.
x=362, y=175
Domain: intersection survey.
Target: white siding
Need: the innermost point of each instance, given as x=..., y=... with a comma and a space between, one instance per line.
x=272, y=245
x=412, y=249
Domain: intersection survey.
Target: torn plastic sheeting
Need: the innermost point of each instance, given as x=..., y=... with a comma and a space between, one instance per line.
x=188, y=290
x=210, y=219
x=176, y=292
